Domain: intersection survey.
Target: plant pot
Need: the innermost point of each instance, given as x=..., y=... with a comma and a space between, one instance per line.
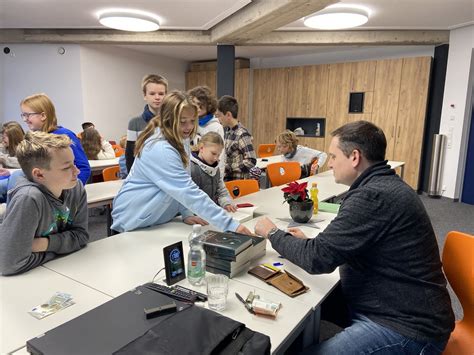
x=301, y=212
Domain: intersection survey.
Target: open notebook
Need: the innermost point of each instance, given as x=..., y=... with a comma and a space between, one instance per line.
x=243, y=214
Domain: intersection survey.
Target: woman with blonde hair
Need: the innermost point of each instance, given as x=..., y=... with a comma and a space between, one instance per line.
x=12, y=134
x=159, y=185
x=94, y=146
x=39, y=114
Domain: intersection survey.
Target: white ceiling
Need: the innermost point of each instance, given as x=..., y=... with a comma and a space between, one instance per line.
x=204, y=14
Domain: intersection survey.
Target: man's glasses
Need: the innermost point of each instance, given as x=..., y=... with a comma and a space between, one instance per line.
x=26, y=115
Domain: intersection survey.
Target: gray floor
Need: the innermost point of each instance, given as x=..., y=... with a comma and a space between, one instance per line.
x=445, y=215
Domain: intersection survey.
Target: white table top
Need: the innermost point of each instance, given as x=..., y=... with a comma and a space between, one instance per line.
x=101, y=193
x=97, y=165
x=19, y=294
x=116, y=264
x=263, y=162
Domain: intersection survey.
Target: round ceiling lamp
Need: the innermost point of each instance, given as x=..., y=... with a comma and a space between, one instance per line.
x=129, y=20
x=337, y=18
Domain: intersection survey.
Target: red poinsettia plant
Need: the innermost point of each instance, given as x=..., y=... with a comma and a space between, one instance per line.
x=294, y=192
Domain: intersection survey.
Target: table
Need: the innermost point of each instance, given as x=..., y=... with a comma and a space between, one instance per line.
x=19, y=294
x=263, y=162
x=102, y=194
x=99, y=165
x=116, y=264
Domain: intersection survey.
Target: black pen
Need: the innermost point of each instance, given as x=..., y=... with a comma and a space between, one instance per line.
x=249, y=307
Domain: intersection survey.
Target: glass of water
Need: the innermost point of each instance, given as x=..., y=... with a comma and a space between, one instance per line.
x=217, y=289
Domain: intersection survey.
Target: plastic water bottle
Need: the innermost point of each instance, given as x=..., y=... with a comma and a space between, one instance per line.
x=196, y=257
x=313, y=192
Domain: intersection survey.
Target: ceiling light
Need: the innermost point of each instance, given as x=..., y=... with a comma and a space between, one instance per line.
x=337, y=18
x=129, y=20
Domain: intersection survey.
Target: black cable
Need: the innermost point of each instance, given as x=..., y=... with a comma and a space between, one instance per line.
x=153, y=280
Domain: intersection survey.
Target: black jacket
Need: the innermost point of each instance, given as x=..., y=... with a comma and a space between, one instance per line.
x=384, y=243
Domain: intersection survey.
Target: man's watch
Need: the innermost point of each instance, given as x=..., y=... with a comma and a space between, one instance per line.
x=272, y=232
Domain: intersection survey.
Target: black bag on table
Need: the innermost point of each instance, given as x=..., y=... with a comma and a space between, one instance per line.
x=197, y=330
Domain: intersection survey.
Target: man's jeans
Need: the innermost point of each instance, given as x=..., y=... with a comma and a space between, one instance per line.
x=367, y=337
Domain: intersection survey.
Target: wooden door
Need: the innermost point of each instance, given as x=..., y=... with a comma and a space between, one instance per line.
x=411, y=115
x=386, y=95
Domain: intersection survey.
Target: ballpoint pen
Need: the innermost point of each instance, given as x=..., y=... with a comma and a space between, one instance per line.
x=247, y=306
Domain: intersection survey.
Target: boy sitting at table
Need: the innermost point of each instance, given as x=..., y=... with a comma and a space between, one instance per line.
x=47, y=210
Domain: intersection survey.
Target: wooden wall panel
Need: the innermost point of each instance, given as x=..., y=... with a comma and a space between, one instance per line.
x=411, y=115
x=199, y=78
x=297, y=102
x=337, y=98
x=386, y=96
x=363, y=76
x=241, y=93
x=270, y=87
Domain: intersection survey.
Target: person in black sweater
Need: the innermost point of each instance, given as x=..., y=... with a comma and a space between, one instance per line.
x=385, y=247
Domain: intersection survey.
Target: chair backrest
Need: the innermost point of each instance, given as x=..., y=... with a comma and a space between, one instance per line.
x=458, y=265
x=112, y=173
x=283, y=172
x=239, y=188
x=119, y=151
x=266, y=150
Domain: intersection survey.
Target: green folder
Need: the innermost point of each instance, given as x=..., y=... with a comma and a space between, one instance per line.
x=328, y=207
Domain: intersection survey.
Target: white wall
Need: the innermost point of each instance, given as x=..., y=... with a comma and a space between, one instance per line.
x=111, y=84
x=344, y=54
x=455, y=114
x=88, y=83
x=34, y=68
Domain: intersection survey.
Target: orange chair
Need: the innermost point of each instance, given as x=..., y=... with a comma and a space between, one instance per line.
x=112, y=173
x=283, y=172
x=266, y=150
x=239, y=188
x=458, y=265
x=118, y=150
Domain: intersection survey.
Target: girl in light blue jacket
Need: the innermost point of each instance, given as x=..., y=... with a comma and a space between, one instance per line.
x=159, y=185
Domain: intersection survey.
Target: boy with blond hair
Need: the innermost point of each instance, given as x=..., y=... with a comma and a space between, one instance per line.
x=47, y=212
x=154, y=88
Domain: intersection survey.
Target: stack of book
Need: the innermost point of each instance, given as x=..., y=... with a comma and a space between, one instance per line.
x=230, y=253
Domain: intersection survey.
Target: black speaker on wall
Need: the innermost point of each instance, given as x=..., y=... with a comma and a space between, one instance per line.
x=356, y=102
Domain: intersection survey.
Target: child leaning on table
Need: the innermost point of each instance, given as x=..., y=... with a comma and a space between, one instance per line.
x=205, y=170
x=47, y=210
x=159, y=185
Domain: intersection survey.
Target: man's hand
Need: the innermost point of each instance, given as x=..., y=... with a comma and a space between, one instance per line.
x=263, y=226
x=230, y=208
x=39, y=245
x=243, y=230
x=195, y=220
x=298, y=233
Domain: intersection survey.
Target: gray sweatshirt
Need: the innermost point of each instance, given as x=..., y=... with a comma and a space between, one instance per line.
x=209, y=179
x=34, y=212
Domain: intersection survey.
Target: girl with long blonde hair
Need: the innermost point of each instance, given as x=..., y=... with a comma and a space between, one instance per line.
x=159, y=185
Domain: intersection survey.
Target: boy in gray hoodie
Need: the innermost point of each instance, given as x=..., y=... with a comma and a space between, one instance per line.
x=47, y=212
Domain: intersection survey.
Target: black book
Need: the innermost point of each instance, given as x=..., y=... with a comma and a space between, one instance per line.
x=225, y=243
x=256, y=249
x=228, y=273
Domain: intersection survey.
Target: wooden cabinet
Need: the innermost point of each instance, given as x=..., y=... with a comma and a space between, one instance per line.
x=270, y=90
x=395, y=99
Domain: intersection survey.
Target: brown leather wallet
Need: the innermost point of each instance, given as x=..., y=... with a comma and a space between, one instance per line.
x=282, y=280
